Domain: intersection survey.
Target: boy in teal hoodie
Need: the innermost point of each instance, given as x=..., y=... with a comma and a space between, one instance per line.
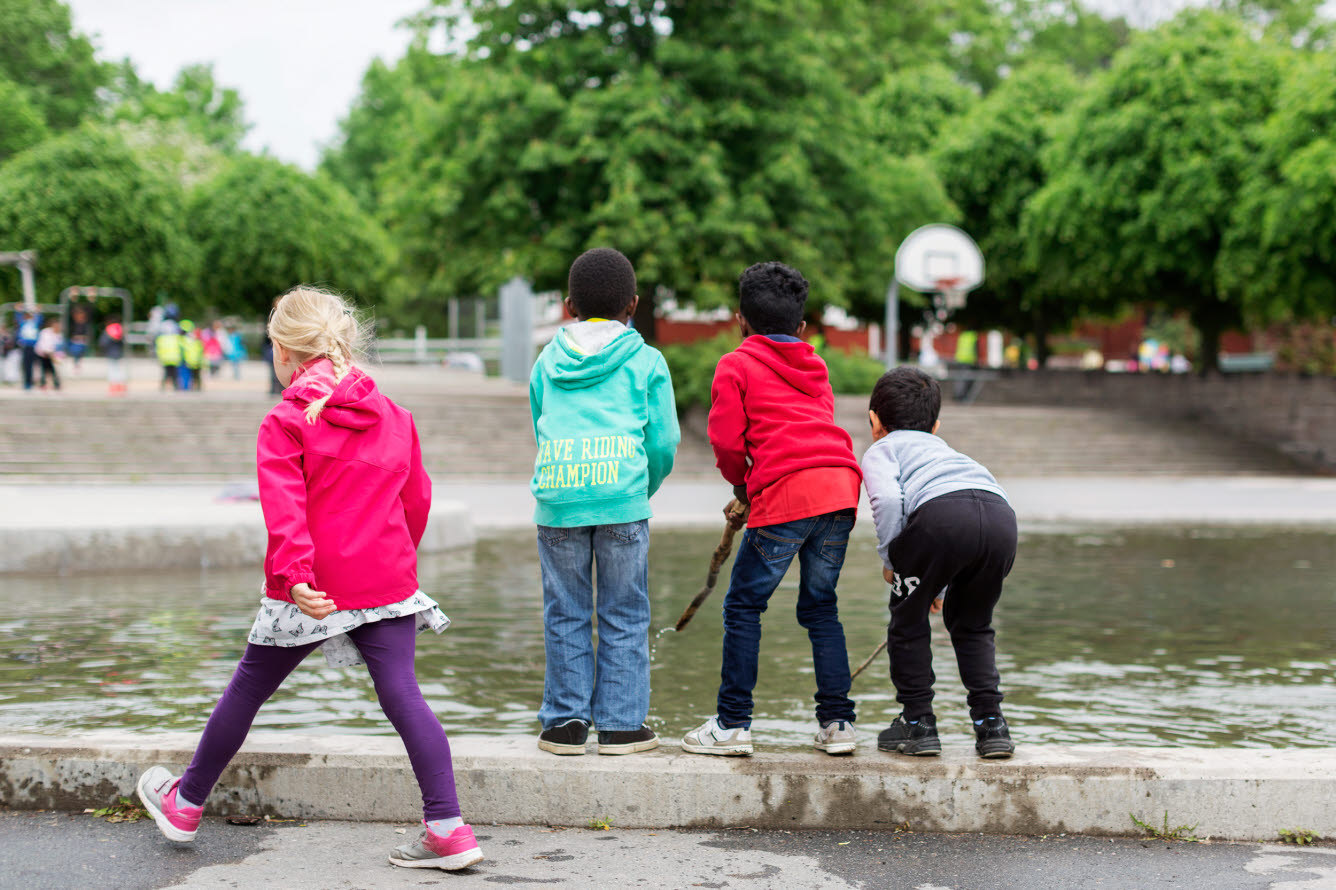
x=606, y=427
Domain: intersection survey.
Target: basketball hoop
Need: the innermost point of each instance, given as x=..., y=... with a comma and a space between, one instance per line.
x=940, y=260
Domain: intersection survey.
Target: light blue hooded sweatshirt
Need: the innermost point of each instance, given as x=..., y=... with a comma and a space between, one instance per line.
x=605, y=423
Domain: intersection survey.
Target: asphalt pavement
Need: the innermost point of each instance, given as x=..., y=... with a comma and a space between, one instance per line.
x=52, y=851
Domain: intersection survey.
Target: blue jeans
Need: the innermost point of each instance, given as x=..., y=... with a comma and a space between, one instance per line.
x=614, y=694
x=819, y=543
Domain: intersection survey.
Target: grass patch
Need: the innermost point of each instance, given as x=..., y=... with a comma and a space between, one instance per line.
x=1164, y=832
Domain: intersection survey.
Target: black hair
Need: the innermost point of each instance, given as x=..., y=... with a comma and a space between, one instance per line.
x=905, y=398
x=771, y=297
x=602, y=283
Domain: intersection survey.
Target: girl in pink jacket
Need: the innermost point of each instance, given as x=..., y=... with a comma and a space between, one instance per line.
x=345, y=500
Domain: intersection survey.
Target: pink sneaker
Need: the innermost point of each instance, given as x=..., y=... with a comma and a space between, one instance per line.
x=157, y=790
x=457, y=851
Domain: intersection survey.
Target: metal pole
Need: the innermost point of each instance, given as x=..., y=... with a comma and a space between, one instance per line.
x=480, y=319
x=516, y=330
x=453, y=312
x=891, y=353
x=29, y=288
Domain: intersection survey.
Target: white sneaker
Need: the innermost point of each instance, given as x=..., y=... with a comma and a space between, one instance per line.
x=836, y=737
x=711, y=738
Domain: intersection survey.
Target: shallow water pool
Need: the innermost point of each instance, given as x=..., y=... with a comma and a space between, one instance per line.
x=1149, y=637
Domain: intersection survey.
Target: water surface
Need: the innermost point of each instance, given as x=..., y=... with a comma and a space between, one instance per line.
x=1150, y=637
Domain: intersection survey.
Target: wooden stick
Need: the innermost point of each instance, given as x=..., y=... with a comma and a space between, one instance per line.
x=871, y=658
x=716, y=561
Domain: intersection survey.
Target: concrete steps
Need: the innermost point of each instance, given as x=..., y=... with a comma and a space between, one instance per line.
x=489, y=436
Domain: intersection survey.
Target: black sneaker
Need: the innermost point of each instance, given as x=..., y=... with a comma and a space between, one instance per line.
x=629, y=741
x=565, y=738
x=914, y=737
x=992, y=740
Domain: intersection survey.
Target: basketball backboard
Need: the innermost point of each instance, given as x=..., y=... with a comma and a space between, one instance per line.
x=938, y=258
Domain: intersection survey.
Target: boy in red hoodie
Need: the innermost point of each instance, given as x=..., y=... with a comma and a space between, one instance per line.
x=772, y=427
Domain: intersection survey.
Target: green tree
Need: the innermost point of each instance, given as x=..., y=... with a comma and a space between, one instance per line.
x=697, y=138
x=24, y=125
x=195, y=103
x=96, y=216
x=988, y=162
x=264, y=226
x=1145, y=172
x=1280, y=251
x=910, y=107
x=375, y=127
x=1070, y=34
x=40, y=50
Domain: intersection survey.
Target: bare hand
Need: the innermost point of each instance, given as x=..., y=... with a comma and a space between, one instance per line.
x=889, y=575
x=735, y=511
x=313, y=603
x=936, y=606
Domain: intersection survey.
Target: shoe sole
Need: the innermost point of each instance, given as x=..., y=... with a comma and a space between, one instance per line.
x=719, y=750
x=629, y=747
x=445, y=863
x=838, y=748
x=912, y=749
x=169, y=831
x=997, y=753
x=564, y=750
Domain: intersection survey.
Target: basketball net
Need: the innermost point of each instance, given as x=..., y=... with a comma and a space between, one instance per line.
x=950, y=296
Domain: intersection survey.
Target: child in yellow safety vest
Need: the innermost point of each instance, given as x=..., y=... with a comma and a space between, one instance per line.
x=167, y=346
x=192, y=357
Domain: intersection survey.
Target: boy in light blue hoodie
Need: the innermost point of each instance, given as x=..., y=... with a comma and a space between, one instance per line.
x=606, y=427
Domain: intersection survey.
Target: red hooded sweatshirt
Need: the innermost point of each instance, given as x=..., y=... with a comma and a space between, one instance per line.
x=772, y=414
x=345, y=499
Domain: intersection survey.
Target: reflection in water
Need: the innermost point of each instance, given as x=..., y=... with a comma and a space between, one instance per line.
x=1159, y=637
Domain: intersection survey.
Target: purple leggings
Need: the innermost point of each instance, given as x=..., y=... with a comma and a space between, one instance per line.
x=387, y=647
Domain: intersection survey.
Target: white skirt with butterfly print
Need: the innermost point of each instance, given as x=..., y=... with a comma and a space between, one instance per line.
x=282, y=624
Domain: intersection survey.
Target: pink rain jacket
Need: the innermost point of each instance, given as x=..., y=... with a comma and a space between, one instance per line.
x=345, y=499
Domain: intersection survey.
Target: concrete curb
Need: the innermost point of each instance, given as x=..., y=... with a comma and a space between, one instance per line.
x=1239, y=794
x=229, y=535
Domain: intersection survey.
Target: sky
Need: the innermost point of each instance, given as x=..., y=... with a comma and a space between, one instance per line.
x=298, y=64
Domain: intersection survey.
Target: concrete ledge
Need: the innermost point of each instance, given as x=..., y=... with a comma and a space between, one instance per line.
x=195, y=533
x=1241, y=794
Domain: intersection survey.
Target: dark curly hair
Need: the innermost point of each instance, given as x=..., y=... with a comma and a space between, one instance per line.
x=771, y=298
x=905, y=398
x=602, y=283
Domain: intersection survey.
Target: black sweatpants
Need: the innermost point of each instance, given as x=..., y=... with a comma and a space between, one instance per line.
x=965, y=540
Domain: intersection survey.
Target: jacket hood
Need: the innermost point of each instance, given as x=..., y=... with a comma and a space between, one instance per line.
x=797, y=364
x=355, y=403
x=566, y=365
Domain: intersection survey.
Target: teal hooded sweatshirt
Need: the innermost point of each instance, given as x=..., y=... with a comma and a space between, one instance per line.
x=606, y=427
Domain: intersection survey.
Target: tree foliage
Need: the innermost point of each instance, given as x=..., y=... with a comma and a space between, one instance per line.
x=40, y=50
x=265, y=226
x=910, y=107
x=1280, y=251
x=195, y=103
x=96, y=216
x=1144, y=173
x=989, y=164
x=24, y=125
x=697, y=138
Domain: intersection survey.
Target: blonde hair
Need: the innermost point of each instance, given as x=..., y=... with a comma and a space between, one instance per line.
x=313, y=324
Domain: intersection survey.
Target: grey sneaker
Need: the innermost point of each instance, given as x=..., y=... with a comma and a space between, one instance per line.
x=836, y=737
x=430, y=850
x=711, y=738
